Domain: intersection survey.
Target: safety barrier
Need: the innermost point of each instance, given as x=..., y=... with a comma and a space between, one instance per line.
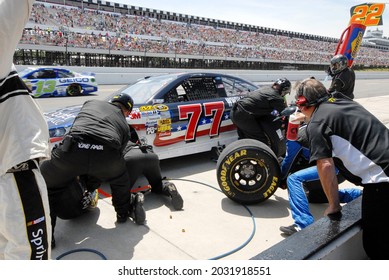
x=326, y=239
x=120, y=76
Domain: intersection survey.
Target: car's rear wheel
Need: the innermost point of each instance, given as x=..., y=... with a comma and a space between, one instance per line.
x=248, y=171
x=74, y=90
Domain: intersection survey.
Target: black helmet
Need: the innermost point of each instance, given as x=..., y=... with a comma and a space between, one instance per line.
x=284, y=86
x=338, y=63
x=123, y=99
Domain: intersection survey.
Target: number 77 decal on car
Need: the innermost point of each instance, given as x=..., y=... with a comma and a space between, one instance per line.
x=197, y=125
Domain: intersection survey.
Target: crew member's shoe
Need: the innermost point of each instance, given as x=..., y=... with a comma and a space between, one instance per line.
x=289, y=230
x=52, y=242
x=137, y=212
x=121, y=218
x=170, y=190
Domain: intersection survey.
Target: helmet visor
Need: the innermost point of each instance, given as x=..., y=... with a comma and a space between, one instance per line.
x=334, y=67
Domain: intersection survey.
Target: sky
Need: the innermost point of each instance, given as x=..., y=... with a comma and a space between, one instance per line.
x=317, y=17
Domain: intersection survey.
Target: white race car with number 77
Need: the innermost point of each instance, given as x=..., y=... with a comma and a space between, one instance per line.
x=178, y=114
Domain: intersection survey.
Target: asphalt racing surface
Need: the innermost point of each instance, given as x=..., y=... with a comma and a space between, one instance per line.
x=210, y=226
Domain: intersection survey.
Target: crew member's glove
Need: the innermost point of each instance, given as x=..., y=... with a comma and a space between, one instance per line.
x=146, y=148
x=283, y=185
x=329, y=72
x=335, y=216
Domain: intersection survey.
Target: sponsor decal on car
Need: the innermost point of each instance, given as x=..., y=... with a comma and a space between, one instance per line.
x=164, y=125
x=161, y=107
x=73, y=80
x=146, y=108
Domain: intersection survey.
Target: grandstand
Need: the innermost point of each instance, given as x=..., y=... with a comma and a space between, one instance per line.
x=375, y=37
x=99, y=33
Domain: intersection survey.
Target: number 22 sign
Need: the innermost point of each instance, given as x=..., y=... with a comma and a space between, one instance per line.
x=367, y=14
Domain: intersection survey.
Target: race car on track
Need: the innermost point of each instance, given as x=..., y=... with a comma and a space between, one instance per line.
x=53, y=82
x=177, y=114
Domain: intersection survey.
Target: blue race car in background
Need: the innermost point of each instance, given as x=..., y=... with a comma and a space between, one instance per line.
x=53, y=82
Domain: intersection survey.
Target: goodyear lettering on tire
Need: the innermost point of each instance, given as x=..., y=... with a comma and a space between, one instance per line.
x=248, y=171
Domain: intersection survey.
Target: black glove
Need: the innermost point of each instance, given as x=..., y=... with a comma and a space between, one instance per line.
x=67, y=143
x=335, y=216
x=283, y=185
x=329, y=72
x=146, y=148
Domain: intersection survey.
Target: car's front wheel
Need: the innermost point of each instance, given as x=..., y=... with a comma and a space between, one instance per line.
x=74, y=90
x=248, y=171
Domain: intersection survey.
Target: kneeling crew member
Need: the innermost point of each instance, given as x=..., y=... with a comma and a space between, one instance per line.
x=94, y=146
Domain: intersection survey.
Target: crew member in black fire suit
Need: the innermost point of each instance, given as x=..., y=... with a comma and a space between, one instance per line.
x=254, y=114
x=94, y=146
x=141, y=160
x=343, y=77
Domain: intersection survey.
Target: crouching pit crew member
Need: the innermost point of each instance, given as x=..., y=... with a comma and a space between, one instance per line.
x=141, y=160
x=343, y=134
x=94, y=146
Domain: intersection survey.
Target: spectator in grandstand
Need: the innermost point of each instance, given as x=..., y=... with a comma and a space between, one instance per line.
x=254, y=113
x=112, y=31
x=342, y=133
x=24, y=207
x=343, y=77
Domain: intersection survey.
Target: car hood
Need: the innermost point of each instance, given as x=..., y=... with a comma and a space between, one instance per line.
x=63, y=117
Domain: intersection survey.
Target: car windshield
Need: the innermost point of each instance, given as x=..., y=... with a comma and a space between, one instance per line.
x=143, y=90
x=25, y=71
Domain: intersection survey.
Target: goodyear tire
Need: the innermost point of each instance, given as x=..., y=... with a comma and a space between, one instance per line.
x=248, y=171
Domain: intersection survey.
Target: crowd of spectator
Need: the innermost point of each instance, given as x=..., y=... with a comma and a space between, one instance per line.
x=58, y=25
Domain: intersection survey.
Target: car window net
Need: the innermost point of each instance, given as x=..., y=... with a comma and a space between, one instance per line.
x=200, y=89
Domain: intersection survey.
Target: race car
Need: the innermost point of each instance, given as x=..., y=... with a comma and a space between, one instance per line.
x=54, y=82
x=177, y=114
